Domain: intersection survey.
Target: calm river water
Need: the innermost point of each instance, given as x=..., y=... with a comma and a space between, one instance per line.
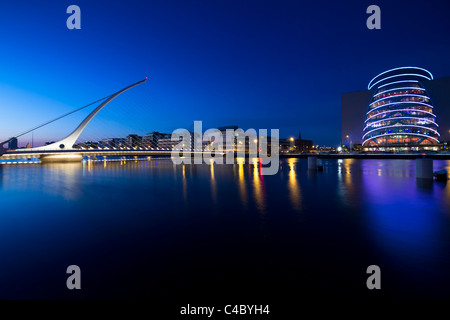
x=149, y=229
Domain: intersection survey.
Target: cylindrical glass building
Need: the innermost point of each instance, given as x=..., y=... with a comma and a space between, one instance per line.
x=400, y=113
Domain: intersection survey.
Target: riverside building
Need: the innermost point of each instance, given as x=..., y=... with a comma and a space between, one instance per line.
x=399, y=111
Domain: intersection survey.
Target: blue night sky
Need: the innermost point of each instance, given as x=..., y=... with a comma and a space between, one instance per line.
x=256, y=64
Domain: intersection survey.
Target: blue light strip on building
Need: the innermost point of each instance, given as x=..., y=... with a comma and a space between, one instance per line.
x=394, y=118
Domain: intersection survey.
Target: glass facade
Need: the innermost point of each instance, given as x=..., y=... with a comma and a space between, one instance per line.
x=400, y=113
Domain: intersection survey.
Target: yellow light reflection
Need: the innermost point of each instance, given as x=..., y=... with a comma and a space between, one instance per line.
x=348, y=183
x=347, y=173
x=293, y=186
x=258, y=187
x=63, y=179
x=242, y=188
x=213, y=182
x=212, y=169
x=184, y=185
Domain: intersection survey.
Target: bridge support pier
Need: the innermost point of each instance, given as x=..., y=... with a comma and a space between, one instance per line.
x=52, y=158
x=424, y=168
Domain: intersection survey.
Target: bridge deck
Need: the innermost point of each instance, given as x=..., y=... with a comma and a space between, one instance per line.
x=16, y=154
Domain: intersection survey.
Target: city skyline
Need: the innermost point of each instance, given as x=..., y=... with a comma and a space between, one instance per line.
x=262, y=66
x=217, y=157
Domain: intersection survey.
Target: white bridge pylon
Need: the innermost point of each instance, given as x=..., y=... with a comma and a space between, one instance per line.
x=68, y=142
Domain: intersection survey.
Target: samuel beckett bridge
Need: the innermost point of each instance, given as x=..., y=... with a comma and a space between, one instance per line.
x=66, y=150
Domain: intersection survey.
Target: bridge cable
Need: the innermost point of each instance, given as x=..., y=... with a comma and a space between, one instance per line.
x=58, y=118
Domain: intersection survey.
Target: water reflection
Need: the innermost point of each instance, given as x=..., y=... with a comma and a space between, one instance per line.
x=404, y=218
x=184, y=186
x=345, y=184
x=258, y=186
x=1, y=177
x=241, y=183
x=359, y=210
x=59, y=179
x=293, y=185
x=425, y=185
x=213, y=182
